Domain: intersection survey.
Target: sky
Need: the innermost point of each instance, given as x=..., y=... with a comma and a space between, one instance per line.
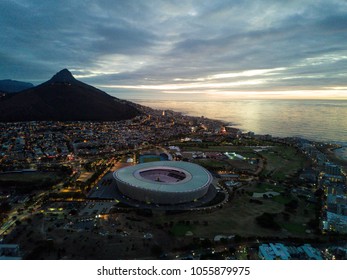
x=181, y=49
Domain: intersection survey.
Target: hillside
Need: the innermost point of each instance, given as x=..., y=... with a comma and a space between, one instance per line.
x=63, y=98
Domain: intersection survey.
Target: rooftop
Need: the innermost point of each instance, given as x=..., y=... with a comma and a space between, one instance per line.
x=196, y=176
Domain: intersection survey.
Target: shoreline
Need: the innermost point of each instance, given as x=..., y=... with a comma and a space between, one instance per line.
x=337, y=152
x=331, y=155
x=330, y=152
x=231, y=112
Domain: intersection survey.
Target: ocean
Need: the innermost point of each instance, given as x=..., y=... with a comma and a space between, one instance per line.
x=318, y=120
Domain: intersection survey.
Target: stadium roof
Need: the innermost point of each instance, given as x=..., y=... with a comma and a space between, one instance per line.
x=197, y=176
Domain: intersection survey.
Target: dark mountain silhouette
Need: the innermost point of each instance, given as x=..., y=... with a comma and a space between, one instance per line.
x=9, y=86
x=63, y=98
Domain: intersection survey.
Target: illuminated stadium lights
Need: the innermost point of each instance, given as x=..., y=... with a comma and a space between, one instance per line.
x=164, y=182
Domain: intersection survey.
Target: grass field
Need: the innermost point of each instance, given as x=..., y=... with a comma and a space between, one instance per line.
x=181, y=229
x=28, y=181
x=294, y=228
x=29, y=177
x=282, y=161
x=282, y=199
x=238, y=217
x=210, y=163
x=150, y=159
x=237, y=149
x=265, y=187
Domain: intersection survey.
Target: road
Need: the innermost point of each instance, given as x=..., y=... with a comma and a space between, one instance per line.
x=37, y=200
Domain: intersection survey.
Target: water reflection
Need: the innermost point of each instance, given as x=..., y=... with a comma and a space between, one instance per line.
x=324, y=120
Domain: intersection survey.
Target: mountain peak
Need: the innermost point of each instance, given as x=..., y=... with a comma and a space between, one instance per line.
x=63, y=98
x=63, y=76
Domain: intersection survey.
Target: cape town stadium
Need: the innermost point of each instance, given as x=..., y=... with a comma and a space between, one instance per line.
x=164, y=182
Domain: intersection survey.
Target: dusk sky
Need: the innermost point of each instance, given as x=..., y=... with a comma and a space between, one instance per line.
x=187, y=49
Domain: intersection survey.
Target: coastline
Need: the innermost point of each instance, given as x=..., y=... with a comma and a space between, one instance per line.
x=332, y=152
x=268, y=116
x=333, y=157
x=339, y=152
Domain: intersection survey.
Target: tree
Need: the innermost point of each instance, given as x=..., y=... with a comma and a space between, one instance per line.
x=267, y=220
x=5, y=207
x=156, y=250
x=206, y=243
x=232, y=250
x=292, y=205
x=319, y=193
x=286, y=216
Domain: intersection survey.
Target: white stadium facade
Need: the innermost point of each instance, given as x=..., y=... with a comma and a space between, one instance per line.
x=164, y=182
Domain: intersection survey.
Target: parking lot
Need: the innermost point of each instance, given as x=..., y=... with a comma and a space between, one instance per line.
x=96, y=208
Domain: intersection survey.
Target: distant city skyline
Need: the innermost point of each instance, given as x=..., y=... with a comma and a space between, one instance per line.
x=181, y=49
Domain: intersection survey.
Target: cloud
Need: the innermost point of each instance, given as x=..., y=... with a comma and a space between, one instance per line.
x=178, y=45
